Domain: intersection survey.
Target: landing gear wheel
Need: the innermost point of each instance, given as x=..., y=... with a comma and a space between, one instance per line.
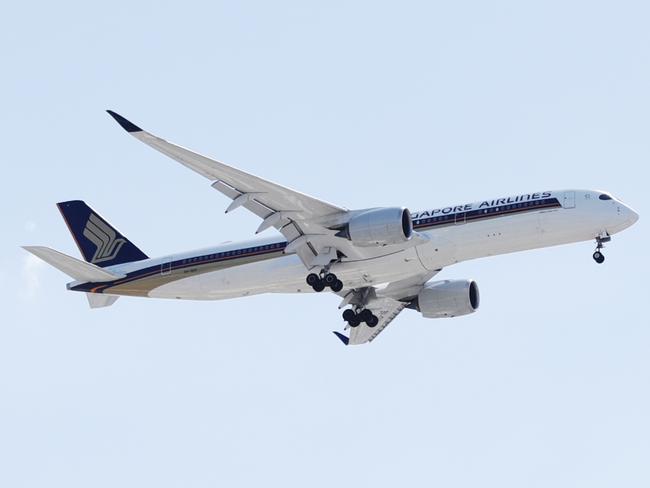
x=354, y=321
x=319, y=286
x=373, y=321
x=600, y=243
x=330, y=279
x=312, y=279
x=365, y=315
x=337, y=286
x=349, y=315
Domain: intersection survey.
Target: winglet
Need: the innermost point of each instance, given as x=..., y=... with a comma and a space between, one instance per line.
x=344, y=339
x=126, y=124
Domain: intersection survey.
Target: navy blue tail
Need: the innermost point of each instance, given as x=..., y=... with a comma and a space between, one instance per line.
x=97, y=240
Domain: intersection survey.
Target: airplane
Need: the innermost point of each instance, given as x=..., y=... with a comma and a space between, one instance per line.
x=380, y=261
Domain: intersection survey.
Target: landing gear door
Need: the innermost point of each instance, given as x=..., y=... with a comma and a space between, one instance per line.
x=569, y=200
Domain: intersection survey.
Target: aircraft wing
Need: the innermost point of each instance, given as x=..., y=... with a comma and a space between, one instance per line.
x=386, y=309
x=386, y=302
x=293, y=213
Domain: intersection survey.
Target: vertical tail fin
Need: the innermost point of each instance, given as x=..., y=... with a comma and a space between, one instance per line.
x=98, y=241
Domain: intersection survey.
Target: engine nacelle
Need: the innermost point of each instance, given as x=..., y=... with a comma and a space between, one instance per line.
x=379, y=227
x=449, y=298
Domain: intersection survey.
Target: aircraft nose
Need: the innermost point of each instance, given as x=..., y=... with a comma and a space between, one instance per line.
x=633, y=216
x=629, y=215
x=623, y=218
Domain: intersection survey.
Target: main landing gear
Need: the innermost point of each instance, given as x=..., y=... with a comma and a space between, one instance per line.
x=354, y=319
x=318, y=283
x=598, y=256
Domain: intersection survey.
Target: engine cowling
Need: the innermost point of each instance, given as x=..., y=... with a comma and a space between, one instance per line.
x=380, y=227
x=449, y=298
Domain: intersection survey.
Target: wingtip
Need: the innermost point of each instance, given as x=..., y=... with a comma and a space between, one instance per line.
x=33, y=249
x=127, y=125
x=345, y=340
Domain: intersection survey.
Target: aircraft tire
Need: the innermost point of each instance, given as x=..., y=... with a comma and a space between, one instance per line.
x=312, y=279
x=337, y=286
x=348, y=315
x=365, y=315
x=372, y=321
x=330, y=279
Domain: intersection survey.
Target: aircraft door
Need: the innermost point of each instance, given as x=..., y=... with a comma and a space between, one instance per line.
x=460, y=218
x=569, y=200
x=166, y=266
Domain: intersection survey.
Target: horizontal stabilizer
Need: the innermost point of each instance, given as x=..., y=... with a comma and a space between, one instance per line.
x=77, y=269
x=99, y=300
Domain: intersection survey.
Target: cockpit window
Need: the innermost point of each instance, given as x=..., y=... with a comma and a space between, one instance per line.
x=604, y=196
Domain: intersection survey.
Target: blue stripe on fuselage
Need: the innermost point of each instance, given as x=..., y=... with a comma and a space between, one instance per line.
x=485, y=213
x=182, y=264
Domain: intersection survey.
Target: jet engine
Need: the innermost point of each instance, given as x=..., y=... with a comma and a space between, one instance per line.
x=449, y=298
x=379, y=227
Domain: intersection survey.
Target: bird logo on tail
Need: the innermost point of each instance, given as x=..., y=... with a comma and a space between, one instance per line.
x=104, y=238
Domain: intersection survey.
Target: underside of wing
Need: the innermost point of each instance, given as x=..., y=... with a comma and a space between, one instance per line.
x=385, y=309
x=385, y=302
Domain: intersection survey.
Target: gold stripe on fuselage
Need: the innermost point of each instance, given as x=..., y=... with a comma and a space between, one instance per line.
x=140, y=287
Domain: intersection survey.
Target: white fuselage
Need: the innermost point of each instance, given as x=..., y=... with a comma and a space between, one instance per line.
x=453, y=234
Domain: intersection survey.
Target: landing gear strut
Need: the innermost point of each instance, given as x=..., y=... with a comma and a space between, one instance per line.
x=319, y=282
x=354, y=318
x=598, y=256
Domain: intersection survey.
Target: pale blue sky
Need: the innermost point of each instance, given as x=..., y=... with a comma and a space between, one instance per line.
x=362, y=104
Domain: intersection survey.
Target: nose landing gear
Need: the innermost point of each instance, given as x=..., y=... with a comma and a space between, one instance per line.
x=598, y=256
